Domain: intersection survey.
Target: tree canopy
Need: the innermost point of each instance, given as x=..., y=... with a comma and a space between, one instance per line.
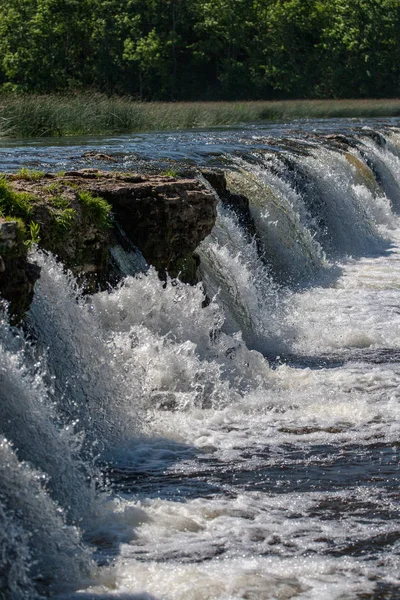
x=202, y=49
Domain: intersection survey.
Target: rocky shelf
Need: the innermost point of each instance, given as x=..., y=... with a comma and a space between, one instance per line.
x=80, y=215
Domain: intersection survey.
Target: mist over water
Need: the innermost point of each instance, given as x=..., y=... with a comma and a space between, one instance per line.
x=237, y=439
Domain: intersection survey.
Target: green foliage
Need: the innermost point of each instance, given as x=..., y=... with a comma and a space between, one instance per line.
x=29, y=174
x=360, y=49
x=170, y=173
x=58, y=201
x=14, y=204
x=64, y=215
x=34, y=231
x=193, y=49
x=97, y=209
x=64, y=219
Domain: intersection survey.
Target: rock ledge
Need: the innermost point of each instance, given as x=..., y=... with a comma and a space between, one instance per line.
x=164, y=217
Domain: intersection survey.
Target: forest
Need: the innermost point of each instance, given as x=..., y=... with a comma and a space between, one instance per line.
x=202, y=49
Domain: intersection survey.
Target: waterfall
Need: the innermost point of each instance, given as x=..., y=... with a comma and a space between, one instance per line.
x=233, y=271
x=56, y=557
x=148, y=374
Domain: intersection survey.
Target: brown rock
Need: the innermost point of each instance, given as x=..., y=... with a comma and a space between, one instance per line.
x=165, y=217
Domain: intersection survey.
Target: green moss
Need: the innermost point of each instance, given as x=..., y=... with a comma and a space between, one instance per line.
x=14, y=204
x=97, y=209
x=29, y=174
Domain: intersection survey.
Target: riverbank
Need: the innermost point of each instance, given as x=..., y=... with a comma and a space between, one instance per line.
x=94, y=114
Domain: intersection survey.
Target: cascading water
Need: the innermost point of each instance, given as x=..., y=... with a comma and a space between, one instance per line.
x=231, y=270
x=234, y=439
x=280, y=215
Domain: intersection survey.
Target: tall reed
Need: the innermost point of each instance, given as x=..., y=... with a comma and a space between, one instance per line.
x=86, y=113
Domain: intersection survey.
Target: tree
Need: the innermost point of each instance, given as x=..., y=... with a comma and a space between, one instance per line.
x=290, y=38
x=361, y=48
x=44, y=43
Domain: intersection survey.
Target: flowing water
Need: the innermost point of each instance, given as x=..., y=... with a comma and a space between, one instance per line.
x=238, y=439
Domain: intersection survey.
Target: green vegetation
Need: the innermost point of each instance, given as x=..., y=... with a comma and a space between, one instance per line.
x=55, y=213
x=29, y=174
x=170, y=173
x=58, y=201
x=14, y=204
x=163, y=50
x=17, y=206
x=85, y=115
x=64, y=216
x=97, y=209
x=34, y=231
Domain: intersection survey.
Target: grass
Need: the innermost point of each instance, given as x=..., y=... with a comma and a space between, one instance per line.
x=14, y=204
x=29, y=174
x=86, y=114
x=17, y=206
x=20, y=207
x=170, y=173
x=97, y=209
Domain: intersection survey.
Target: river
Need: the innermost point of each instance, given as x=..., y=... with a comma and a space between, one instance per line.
x=158, y=446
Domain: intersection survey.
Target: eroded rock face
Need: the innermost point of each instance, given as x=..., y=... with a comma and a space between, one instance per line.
x=165, y=218
x=238, y=203
x=17, y=274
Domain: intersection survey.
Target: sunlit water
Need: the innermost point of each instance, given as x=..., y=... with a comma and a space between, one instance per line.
x=157, y=446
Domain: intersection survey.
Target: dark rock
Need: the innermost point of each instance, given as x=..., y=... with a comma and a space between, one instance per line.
x=375, y=136
x=216, y=178
x=99, y=156
x=238, y=203
x=340, y=141
x=17, y=274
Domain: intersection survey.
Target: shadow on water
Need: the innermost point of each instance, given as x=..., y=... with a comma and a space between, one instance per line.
x=121, y=596
x=376, y=356
x=148, y=455
x=312, y=468
x=155, y=472
x=383, y=591
x=319, y=468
